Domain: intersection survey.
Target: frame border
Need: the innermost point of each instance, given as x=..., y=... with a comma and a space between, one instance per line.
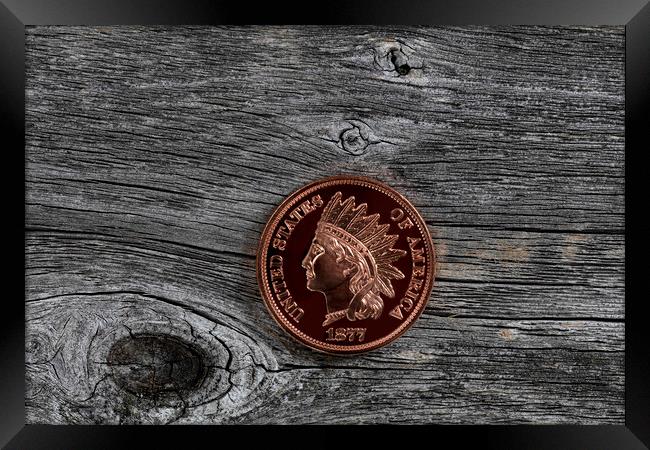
x=634, y=14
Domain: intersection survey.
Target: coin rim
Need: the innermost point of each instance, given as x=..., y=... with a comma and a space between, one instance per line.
x=293, y=331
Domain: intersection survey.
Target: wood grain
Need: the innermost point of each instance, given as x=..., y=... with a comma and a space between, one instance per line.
x=155, y=155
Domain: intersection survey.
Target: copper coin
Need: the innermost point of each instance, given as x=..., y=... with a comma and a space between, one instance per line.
x=345, y=265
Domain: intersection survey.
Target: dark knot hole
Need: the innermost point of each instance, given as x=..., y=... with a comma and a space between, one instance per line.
x=401, y=67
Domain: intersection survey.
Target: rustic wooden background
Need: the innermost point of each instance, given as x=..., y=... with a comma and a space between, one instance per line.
x=155, y=156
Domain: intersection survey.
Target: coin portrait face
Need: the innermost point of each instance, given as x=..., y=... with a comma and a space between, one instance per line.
x=322, y=270
x=345, y=265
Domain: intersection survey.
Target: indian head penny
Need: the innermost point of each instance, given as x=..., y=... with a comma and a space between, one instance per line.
x=345, y=265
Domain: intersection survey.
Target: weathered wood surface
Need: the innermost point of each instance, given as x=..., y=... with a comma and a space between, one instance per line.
x=155, y=155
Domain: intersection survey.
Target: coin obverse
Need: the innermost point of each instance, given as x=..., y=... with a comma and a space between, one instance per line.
x=345, y=265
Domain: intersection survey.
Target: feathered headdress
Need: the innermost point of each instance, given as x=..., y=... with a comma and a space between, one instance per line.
x=350, y=224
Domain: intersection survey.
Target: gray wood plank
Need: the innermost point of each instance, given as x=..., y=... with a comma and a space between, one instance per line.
x=154, y=156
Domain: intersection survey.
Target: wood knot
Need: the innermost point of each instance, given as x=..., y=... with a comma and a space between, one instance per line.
x=354, y=137
x=399, y=61
x=396, y=57
x=354, y=140
x=127, y=358
x=151, y=365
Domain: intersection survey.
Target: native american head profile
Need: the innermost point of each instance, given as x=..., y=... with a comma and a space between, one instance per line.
x=350, y=261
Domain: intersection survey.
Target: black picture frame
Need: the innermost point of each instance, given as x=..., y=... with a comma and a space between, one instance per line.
x=16, y=14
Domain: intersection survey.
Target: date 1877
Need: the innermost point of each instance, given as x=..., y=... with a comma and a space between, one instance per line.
x=343, y=334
